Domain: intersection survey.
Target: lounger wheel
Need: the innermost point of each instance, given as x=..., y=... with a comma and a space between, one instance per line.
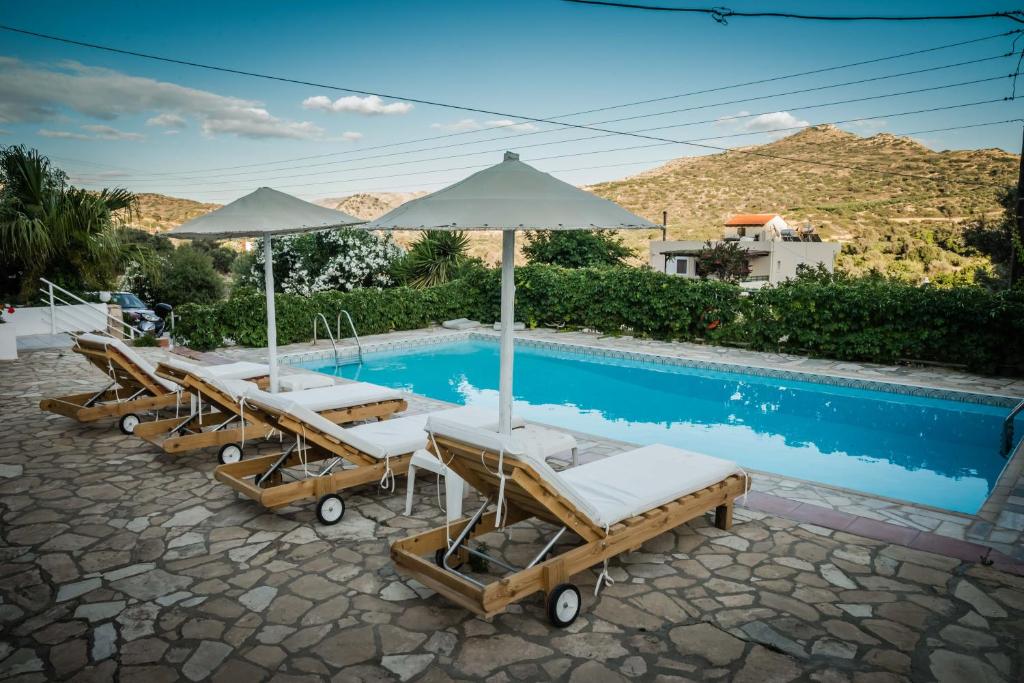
x=330, y=509
x=229, y=453
x=439, y=559
x=128, y=423
x=564, y=605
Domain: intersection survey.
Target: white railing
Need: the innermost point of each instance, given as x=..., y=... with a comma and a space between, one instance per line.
x=63, y=309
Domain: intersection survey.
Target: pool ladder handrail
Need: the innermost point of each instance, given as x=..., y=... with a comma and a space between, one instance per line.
x=320, y=316
x=1007, y=444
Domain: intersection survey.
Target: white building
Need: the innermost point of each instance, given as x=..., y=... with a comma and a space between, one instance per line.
x=774, y=249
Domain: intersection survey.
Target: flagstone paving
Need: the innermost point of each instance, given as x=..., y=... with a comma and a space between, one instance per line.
x=118, y=563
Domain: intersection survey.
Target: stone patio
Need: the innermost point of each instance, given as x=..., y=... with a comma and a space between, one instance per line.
x=121, y=563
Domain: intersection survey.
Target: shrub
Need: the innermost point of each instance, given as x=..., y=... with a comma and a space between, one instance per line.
x=576, y=248
x=860, y=319
x=184, y=276
x=324, y=261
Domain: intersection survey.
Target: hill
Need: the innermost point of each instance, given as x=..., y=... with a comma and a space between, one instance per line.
x=899, y=224
x=368, y=205
x=159, y=213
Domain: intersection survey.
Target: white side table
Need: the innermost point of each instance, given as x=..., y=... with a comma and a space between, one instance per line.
x=453, y=483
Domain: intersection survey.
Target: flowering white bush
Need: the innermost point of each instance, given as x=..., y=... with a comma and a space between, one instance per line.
x=323, y=261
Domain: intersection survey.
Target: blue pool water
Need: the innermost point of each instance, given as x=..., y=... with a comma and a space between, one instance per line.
x=931, y=451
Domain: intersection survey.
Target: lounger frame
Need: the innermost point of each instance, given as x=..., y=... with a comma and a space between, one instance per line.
x=131, y=389
x=528, y=495
x=325, y=478
x=224, y=424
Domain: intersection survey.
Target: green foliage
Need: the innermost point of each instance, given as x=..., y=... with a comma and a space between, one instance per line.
x=222, y=257
x=184, y=275
x=576, y=248
x=50, y=229
x=436, y=257
x=860, y=319
x=146, y=340
x=726, y=261
x=324, y=261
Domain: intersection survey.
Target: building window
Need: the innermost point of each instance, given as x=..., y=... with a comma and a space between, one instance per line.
x=681, y=266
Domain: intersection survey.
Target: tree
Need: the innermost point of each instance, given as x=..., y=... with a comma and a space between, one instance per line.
x=223, y=257
x=723, y=260
x=185, y=275
x=576, y=248
x=436, y=257
x=322, y=261
x=996, y=238
x=50, y=229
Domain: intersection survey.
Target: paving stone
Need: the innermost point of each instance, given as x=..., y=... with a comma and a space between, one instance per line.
x=406, y=666
x=152, y=584
x=98, y=611
x=984, y=605
x=104, y=642
x=760, y=632
x=190, y=517
x=707, y=641
x=258, y=598
x=764, y=665
x=590, y=646
x=953, y=667
x=137, y=620
x=207, y=657
x=482, y=655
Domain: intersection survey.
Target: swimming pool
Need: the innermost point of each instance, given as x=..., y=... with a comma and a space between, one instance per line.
x=931, y=451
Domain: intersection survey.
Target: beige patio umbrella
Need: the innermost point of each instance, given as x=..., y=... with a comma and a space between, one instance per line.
x=264, y=213
x=509, y=196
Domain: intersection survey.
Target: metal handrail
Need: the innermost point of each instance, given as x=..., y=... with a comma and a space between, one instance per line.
x=1007, y=444
x=352, y=326
x=316, y=319
x=53, y=298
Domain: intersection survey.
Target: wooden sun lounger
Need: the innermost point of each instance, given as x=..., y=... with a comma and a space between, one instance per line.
x=131, y=391
x=226, y=426
x=263, y=478
x=428, y=557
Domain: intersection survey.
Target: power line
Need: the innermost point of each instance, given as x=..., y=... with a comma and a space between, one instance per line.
x=478, y=110
x=199, y=181
x=723, y=14
x=599, y=109
x=633, y=147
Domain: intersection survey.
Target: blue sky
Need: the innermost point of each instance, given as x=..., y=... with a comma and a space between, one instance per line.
x=116, y=120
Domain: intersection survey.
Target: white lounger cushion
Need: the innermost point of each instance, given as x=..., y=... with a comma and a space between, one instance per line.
x=631, y=483
x=132, y=355
x=334, y=397
x=396, y=436
x=612, y=489
x=238, y=370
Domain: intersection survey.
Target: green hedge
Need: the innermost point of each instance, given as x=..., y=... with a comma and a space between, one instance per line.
x=860, y=319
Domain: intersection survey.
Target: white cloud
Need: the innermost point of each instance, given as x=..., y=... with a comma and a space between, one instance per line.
x=62, y=134
x=867, y=126
x=110, y=133
x=167, y=121
x=458, y=126
x=511, y=125
x=99, y=132
x=371, y=105
x=778, y=119
x=351, y=136
x=463, y=125
x=43, y=92
x=4, y=132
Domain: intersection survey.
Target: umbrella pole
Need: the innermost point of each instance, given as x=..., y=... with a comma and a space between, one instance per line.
x=508, y=300
x=268, y=281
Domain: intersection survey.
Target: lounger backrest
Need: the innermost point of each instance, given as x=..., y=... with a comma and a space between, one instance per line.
x=512, y=449
x=279, y=404
x=129, y=354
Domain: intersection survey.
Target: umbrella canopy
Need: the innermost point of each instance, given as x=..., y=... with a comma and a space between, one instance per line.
x=509, y=196
x=264, y=213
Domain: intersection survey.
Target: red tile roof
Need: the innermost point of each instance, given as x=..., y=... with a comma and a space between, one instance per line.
x=750, y=218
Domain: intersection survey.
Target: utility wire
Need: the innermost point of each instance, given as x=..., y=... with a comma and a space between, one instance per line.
x=620, y=149
x=478, y=110
x=191, y=181
x=900, y=55
x=723, y=14
x=180, y=175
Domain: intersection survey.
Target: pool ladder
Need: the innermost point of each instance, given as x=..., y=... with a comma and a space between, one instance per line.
x=1007, y=444
x=334, y=345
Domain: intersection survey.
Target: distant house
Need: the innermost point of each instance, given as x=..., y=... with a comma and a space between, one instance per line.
x=773, y=247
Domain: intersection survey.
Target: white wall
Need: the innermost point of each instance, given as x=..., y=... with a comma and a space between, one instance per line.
x=36, y=319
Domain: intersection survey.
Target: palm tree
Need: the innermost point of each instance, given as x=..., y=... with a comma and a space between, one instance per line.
x=436, y=257
x=50, y=229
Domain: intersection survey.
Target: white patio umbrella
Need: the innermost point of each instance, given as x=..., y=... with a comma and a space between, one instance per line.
x=264, y=213
x=509, y=196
